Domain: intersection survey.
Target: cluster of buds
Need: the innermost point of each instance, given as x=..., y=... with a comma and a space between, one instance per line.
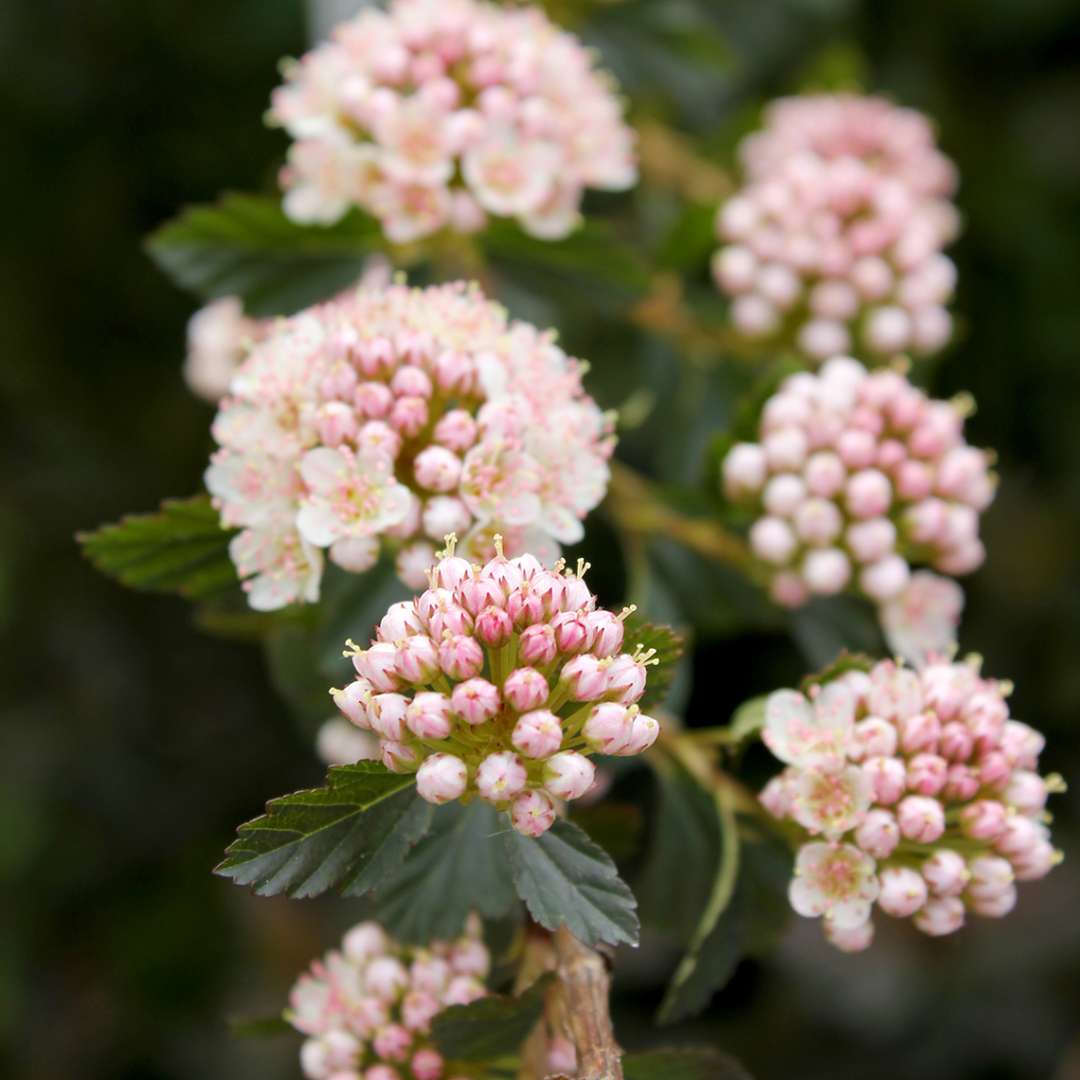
x=367, y=1008
x=835, y=243
x=923, y=794
x=855, y=476
x=436, y=113
x=500, y=681
x=396, y=415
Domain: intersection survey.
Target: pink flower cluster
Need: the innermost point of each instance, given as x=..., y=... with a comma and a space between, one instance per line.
x=436, y=113
x=835, y=243
x=856, y=475
x=922, y=794
x=367, y=1008
x=396, y=416
x=500, y=681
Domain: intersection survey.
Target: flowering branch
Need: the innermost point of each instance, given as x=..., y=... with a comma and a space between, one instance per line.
x=638, y=509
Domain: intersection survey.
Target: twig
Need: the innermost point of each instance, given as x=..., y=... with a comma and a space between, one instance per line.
x=635, y=505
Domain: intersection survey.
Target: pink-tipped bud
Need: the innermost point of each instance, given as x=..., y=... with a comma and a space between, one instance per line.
x=429, y=974
x=353, y=702
x=477, y=593
x=983, y=820
x=606, y=633
x=818, y=521
x=940, y=915
x=568, y=774
x=962, y=784
x=887, y=777
x=525, y=689
x=772, y=540
x=476, y=701
x=571, y=633
x=626, y=679
x=417, y=660
x=868, y=494
x=364, y=941
x=849, y=939
x=400, y=621
x=441, y=778
x=878, y=834
x=776, y=796
x=857, y=449
x=336, y=423
x=373, y=400
x=644, y=732
x=386, y=978
x=956, y=742
x=946, y=872
x=826, y=571
x=1026, y=791
x=397, y=757
x=456, y=430
x=437, y=469
x=609, y=727
x=429, y=716
x=419, y=1008
x=994, y=907
x=926, y=774
x=885, y=579
x=386, y=714
x=427, y=1064
x=586, y=678
x=378, y=665
x=408, y=415
x=991, y=875
x=532, y=813
x=537, y=645
x=500, y=776
x=537, y=734
x=824, y=474
x=493, y=626
x=783, y=495
x=455, y=373
x=873, y=737
x=450, y=572
x=919, y=733
x=393, y=1042
x=903, y=891
x=411, y=381
x=745, y=470
x=444, y=514
x=460, y=657
x=1036, y=862
x=921, y=819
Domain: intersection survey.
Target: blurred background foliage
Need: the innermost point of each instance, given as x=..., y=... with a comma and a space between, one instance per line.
x=131, y=743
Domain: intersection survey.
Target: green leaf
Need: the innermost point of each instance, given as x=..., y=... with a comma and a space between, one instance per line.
x=490, y=1028
x=346, y=835
x=182, y=549
x=827, y=627
x=460, y=866
x=684, y=847
x=245, y=246
x=747, y=720
x=714, y=948
x=682, y=1065
x=669, y=648
x=564, y=877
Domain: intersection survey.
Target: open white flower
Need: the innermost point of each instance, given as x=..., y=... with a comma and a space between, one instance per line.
x=836, y=881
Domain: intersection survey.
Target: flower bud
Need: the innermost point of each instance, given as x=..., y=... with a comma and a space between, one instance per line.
x=456, y=431
x=500, y=776
x=625, y=679
x=606, y=633
x=537, y=734
x=609, y=727
x=400, y=621
x=568, y=774
x=885, y=579
x=921, y=819
x=428, y=716
x=991, y=875
x=392, y=1042
x=586, y=677
x=427, y=1064
x=444, y=514
x=873, y=737
x=537, y=645
x=476, y=701
x=644, y=732
x=946, y=872
x=868, y=494
x=744, y=469
x=419, y=1008
x=940, y=915
x=850, y=939
x=417, y=660
x=887, y=777
x=378, y=665
x=772, y=540
x=386, y=978
x=441, y=778
x=983, y=820
x=571, y=633
x=460, y=657
x=994, y=907
x=363, y=941
x=397, y=757
x=532, y=813
x=956, y=742
x=353, y=702
x=826, y=571
x=878, y=834
x=386, y=713
x=926, y=774
x=903, y=891
x=493, y=626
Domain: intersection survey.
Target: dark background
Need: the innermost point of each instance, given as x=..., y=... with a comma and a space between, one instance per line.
x=131, y=744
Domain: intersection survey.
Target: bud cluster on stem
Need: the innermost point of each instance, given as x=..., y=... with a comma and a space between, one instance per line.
x=915, y=791
x=501, y=681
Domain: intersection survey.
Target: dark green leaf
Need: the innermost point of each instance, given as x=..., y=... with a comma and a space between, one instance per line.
x=564, y=877
x=459, y=867
x=747, y=720
x=347, y=835
x=245, y=246
x=668, y=646
x=684, y=847
x=682, y=1065
x=182, y=548
x=492, y=1027
x=826, y=627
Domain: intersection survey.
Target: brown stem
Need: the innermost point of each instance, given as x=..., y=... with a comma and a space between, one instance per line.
x=583, y=1008
x=636, y=507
